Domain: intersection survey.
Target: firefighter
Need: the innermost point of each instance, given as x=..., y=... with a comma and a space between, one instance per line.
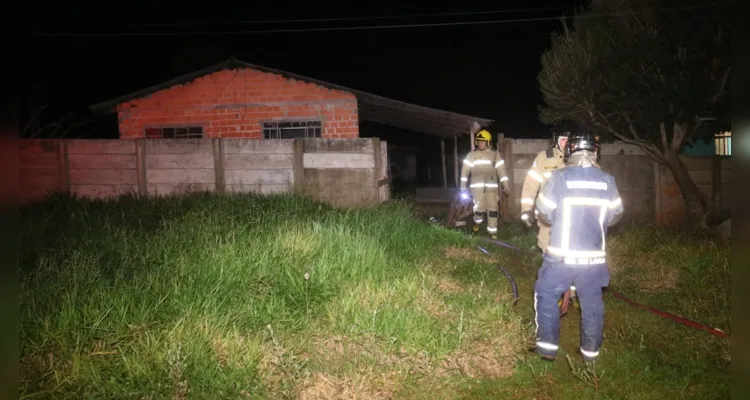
x=544, y=163
x=488, y=174
x=579, y=203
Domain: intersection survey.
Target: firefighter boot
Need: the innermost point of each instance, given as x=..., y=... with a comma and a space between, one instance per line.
x=475, y=228
x=493, y=236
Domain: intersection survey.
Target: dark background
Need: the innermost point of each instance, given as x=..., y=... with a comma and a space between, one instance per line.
x=486, y=70
x=85, y=55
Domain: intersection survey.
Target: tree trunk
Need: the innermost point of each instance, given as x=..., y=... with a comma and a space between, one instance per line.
x=697, y=204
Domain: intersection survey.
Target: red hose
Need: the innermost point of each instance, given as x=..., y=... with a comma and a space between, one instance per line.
x=660, y=313
x=673, y=317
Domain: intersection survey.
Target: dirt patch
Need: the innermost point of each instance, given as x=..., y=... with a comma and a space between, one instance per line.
x=434, y=306
x=281, y=369
x=463, y=253
x=481, y=358
x=493, y=359
x=376, y=373
x=344, y=346
x=221, y=349
x=357, y=386
x=448, y=285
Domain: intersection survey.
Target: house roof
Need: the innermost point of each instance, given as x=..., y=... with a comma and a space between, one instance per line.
x=371, y=107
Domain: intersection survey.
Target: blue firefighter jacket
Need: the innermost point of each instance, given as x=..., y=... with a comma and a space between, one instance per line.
x=580, y=203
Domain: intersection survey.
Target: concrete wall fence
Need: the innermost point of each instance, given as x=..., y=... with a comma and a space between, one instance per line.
x=341, y=172
x=648, y=190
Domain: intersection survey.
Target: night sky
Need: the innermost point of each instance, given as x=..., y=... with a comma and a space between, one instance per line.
x=486, y=70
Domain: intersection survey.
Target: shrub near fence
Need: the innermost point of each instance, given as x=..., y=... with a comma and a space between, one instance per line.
x=341, y=172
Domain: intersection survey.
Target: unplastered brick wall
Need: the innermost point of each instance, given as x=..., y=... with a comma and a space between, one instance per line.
x=234, y=104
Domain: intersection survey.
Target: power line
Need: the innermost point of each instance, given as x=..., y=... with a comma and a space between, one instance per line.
x=279, y=21
x=353, y=28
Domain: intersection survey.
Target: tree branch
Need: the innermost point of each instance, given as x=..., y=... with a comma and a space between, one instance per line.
x=663, y=136
x=678, y=137
x=34, y=120
x=631, y=126
x=722, y=86
x=648, y=148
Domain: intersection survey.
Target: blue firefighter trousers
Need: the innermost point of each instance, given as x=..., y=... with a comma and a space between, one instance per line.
x=553, y=280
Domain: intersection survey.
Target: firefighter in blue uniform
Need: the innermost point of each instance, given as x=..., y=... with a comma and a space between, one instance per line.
x=579, y=202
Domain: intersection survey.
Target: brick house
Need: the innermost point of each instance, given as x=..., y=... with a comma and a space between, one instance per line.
x=235, y=99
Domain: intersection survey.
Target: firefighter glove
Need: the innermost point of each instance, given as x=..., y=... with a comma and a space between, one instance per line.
x=528, y=218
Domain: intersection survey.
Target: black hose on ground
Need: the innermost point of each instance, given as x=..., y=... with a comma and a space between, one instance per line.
x=506, y=245
x=663, y=314
x=507, y=275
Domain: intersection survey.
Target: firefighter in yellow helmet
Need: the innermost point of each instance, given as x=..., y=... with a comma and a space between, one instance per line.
x=488, y=174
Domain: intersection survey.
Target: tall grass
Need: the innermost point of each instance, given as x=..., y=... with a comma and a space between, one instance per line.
x=124, y=297
x=679, y=270
x=246, y=296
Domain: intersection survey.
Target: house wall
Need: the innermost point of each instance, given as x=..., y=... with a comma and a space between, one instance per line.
x=234, y=103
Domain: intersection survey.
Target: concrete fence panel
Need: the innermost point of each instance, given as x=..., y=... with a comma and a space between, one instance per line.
x=258, y=166
x=102, y=168
x=723, y=183
x=342, y=172
x=177, y=166
x=648, y=190
x=39, y=168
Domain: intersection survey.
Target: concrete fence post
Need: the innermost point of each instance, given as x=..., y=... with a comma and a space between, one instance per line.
x=217, y=148
x=140, y=165
x=377, y=155
x=62, y=149
x=298, y=167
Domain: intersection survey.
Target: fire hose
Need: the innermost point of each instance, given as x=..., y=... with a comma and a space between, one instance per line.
x=663, y=314
x=507, y=275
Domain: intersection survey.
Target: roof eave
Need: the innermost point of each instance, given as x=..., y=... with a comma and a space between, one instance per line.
x=110, y=106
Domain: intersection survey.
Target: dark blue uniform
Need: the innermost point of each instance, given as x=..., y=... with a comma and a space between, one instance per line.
x=579, y=203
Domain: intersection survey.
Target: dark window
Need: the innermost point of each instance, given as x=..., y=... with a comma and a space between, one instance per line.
x=292, y=129
x=186, y=132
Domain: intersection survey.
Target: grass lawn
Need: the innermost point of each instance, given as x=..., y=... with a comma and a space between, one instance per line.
x=236, y=297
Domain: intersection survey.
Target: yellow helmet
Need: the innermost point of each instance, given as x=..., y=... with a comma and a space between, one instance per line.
x=483, y=135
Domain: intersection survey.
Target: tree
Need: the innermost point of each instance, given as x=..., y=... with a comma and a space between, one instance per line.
x=36, y=128
x=646, y=74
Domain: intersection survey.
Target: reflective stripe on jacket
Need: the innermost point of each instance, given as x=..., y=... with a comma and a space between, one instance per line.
x=487, y=169
x=580, y=203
